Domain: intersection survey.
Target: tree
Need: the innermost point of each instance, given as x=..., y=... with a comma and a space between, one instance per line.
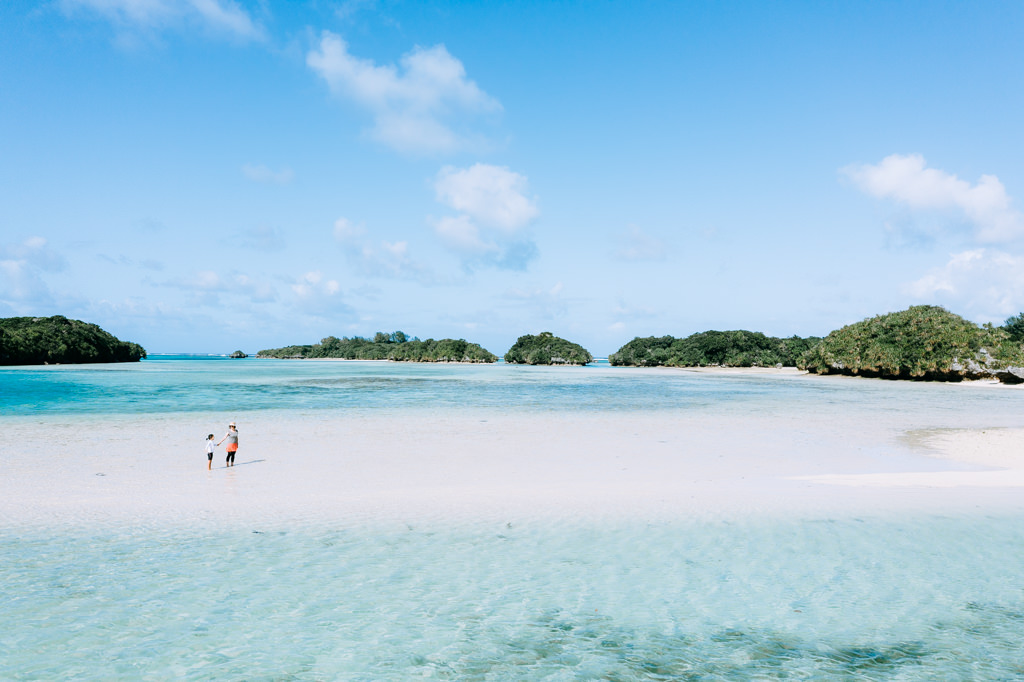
x=1014, y=326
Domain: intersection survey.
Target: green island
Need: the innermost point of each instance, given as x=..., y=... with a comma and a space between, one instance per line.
x=923, y=343
x=737, y=348
x=58, y=340
x=398, y=347
x=547, y=349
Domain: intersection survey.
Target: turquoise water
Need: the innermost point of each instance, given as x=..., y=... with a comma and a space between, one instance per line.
x=913, y=599
x=182, y=384
x=909, y=596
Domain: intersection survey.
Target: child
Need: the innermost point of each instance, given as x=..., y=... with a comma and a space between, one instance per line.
x=209, y=451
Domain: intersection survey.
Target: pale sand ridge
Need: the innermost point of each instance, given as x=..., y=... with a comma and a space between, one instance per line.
x=331, y=466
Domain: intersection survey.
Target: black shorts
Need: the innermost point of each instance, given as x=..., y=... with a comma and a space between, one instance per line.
x=209, y=456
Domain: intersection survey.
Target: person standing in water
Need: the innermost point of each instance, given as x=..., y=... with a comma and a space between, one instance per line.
x=232, y=438
x=209, y=452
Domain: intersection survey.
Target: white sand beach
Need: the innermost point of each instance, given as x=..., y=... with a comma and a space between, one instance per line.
x=413, y=467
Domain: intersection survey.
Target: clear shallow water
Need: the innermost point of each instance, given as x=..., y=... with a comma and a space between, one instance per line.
x=177, y=384
x=905, y=597
x=916, y=598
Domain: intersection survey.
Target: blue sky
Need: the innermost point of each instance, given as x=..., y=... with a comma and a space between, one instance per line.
x=206, y=175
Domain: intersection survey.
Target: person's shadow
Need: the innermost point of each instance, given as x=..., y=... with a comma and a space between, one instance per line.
x=240, y=464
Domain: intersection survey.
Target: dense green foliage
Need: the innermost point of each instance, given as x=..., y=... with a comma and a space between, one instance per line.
x=1014, y=327
x=397, y=346
x=547, y=349
x=922, y=342
x=737, y=348
x=238, y=354
x=52, y=340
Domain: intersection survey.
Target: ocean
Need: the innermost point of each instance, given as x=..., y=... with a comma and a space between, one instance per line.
x=873, y=594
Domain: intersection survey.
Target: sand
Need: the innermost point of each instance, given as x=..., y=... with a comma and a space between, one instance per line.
x=322, y=467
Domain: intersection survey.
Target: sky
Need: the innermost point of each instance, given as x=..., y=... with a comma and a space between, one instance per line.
x=201, y=176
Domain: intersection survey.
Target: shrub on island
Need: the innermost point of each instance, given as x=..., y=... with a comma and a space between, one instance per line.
x=1014, y=328
x=547, y=349
x=923, y=343
x=397, y=347
x=737, y=348
x=58, y=340
x=238, y=355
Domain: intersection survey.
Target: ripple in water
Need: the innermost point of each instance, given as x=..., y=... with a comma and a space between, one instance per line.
x=923, y=598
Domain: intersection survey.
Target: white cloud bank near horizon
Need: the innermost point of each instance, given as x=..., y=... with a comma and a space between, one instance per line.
x=906, y=179
x=415, y=108
x=987, y=282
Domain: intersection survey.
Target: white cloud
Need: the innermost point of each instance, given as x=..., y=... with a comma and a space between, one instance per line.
x=219, y=16
x=637, y=245
x=462, y=235
x=261, y=173
x=984, y=283
x=491, y=195
x=415, y=107
x=907, y=180
x=493, y=212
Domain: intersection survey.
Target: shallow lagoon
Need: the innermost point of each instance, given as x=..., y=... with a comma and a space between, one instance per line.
x=255, y=593
x=917, y=598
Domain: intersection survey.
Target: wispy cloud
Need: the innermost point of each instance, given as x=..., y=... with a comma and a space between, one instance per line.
x=379, y=258
x=317, y=295
x=225, y=17
x=906, y=180
x=22, y=284
x=636, y=245
x=262, y=238
x=207, y=288
x=22, y=265
x=547, y=303
x=983, y=283
x=493, y=211
x=416, y=108
x=260, y=173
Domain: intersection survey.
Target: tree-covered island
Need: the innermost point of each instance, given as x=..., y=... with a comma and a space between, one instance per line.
x=58, y=340
x=398, y=347
x=547, y=349
x=924, y=343
x=921, y=343
x=737, y=348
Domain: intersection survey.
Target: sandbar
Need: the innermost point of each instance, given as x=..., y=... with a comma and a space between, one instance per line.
x=408, y=467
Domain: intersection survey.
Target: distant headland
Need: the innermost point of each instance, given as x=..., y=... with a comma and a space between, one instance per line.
x=58, y=340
